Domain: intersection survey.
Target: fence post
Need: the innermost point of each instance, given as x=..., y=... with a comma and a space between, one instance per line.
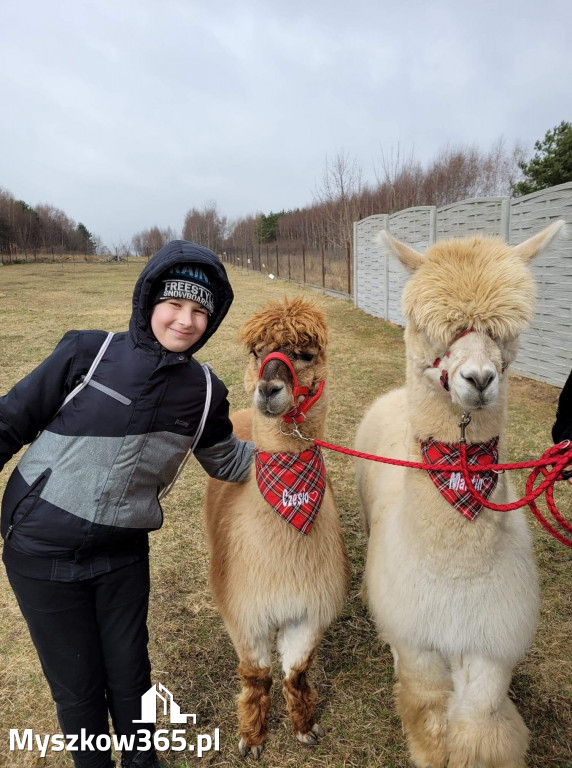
x=303, y=264
x=323, y=266
x=385, y=256
x=349, y=266
x=505, y=220
x=277, y=262
x=355, y=297
x=288, y=262
x=433, y=225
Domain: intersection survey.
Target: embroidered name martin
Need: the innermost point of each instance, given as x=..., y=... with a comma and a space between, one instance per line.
x=457, y=482
x=451, y=485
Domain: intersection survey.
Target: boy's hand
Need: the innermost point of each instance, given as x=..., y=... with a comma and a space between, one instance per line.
x=567, y=475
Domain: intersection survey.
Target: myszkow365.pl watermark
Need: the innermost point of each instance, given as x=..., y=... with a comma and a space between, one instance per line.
x=163, y=739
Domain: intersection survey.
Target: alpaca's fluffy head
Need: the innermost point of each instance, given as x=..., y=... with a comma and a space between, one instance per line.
x=292, y=323
x=297, y=328
x=477, y=283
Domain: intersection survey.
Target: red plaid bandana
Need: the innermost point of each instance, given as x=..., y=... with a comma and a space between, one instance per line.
x=294, y=484
x=451, y=485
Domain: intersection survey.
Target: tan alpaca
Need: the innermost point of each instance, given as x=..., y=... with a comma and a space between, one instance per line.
x=265, y=575
x=455, y=598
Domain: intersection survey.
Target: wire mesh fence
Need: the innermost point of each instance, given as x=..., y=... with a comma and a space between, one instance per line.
x=329, y=269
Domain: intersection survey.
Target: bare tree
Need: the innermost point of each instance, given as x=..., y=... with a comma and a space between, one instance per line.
x=205, y=226
x=149, y=241
x=119, y=251
x=338, y=195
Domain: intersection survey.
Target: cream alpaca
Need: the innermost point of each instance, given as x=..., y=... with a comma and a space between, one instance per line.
x=456, y=599
x=266, y=576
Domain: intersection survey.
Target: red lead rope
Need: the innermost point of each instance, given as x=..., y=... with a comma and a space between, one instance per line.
x=557, y=457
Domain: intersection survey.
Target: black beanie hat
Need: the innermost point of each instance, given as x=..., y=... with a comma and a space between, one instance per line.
x=183, y=281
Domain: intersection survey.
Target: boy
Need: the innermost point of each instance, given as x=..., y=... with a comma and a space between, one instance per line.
x=78, y=507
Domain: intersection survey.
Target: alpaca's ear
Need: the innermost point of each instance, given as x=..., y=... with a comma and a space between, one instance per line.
x=409, y=257
x=537, y=243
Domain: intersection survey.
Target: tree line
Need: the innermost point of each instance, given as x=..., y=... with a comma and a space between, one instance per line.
x=341, y=197
x=401, y=181
x=41, y=229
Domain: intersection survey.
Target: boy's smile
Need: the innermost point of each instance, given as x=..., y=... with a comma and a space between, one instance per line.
x=177, y=324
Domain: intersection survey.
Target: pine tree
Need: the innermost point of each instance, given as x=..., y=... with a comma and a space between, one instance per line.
x=267, y=227
x=552, y=163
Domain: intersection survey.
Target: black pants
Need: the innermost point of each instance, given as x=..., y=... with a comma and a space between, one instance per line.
x=91, y=637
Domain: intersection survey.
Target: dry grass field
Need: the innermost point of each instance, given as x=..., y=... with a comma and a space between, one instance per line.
x=191, y=653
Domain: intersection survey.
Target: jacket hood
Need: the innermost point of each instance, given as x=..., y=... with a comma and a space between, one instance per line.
x=171, y=254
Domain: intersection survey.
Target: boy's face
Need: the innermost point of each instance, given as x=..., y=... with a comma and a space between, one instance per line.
x=177, y=324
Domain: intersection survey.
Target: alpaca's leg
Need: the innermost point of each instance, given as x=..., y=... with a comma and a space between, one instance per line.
x=297, y=642
x=422, y=692
x=254, y=701
x=485, y=728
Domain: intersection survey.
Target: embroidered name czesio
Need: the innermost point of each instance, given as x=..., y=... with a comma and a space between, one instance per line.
x=293, y=484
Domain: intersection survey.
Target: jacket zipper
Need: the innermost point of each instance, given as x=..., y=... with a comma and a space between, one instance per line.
x=33, y=487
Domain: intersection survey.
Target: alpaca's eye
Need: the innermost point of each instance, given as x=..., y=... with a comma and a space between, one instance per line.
x=306, y=357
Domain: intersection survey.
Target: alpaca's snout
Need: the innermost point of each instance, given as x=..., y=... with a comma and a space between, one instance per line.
x=269, y=389
x=479, y=379
x=475, y=386
x=272, y=397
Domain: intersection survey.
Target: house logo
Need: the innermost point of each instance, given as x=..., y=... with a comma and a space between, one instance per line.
x=168, y=705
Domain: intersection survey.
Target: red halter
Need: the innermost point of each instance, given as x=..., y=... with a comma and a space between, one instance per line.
x=444, y=378
x=298, y=413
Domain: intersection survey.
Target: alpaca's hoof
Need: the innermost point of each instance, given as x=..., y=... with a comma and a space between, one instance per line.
x=245, y=750
x=313, y=736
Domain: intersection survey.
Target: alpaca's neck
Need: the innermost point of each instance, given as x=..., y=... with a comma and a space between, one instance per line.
x=267, y=436
x=431, y=413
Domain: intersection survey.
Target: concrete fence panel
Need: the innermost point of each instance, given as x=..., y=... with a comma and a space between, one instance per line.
x=481, y=216
x=370, y=279
x=416, y=227
x=546, y=348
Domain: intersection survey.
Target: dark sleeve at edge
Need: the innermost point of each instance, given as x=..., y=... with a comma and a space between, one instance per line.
x=562, y=428
x=33, y=402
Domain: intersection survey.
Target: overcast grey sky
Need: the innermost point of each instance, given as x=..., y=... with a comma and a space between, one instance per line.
x=126, y=113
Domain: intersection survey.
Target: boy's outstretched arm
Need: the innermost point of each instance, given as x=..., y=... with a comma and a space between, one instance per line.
x=32, y=403
x=221, y=454
x=230, y=459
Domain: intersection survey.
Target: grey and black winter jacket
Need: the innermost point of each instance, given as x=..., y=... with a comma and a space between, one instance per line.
x=85, y=494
